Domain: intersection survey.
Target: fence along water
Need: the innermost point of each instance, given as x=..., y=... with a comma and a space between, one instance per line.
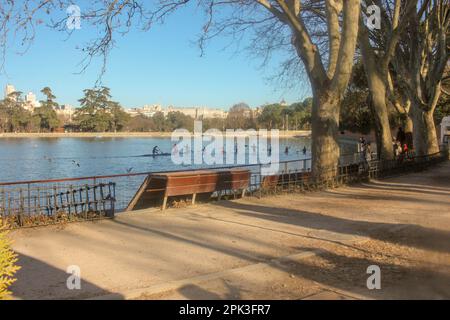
x=43, y=202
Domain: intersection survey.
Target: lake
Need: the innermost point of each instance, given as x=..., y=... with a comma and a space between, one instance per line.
x=52, y=158
x=24, y=159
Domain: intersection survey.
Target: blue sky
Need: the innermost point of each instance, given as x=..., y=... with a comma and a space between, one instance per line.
x=162, y=66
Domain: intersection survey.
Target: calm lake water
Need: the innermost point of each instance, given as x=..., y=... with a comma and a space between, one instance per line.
x=52, y=158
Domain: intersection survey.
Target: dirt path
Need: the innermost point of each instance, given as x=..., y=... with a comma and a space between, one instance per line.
x=294, y=246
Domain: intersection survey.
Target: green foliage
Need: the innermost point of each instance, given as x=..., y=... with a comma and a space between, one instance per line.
x=356, y=114
x=8, y=266
x=140, y=123
x=271, y=116
x=46, y=115
x=98, y=113
x=240, y=116
x=46, y=118
x=295, y=117
x=178, y=120
x=214, y=123
x=13, y=117
x=159, y=121
x=442, y=110
x=119, y=118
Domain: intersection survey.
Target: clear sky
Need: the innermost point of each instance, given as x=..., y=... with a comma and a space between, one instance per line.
x=162, y=66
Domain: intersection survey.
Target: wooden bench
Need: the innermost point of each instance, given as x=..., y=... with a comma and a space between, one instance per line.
x=163, y=186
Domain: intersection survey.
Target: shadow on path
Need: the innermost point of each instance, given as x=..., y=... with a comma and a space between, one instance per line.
x=426, y=238
x=38, y=280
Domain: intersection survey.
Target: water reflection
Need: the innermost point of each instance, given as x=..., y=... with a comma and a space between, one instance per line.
x=50, y=158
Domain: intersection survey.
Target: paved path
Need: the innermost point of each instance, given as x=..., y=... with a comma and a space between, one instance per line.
x=294, y=246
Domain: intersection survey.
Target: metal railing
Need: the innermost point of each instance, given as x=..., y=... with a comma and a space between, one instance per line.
x=124, y=185
x=41, y=202
x=49, y=203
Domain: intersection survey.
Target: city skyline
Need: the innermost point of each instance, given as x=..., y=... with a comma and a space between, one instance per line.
x=32, y=98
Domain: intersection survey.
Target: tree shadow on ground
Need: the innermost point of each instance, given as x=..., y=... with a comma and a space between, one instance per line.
x=196, y=292
x=342, y=275
x=245, y=255
x=406, y=188
x=385, y=196
x=424, y=238
x=37, y=280
x=350, y=274
x=335, y=271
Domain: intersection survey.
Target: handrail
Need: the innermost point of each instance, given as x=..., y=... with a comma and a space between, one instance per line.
x=142, y=173
x=11, y=183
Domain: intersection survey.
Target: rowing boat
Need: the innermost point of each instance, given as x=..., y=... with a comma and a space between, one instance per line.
x=155, y=155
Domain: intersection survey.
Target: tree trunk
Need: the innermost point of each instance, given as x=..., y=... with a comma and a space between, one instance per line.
x=424, y=133
x=383, y=129
x=378, y=88
x=408, y=124
x=325, y=128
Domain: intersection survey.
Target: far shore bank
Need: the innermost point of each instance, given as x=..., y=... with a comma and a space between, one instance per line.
x=284, y=134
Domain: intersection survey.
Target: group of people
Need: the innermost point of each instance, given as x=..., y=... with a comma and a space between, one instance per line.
x=400, y=144
x=157, y=151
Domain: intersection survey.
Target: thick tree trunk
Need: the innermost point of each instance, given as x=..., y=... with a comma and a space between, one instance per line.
x=408, y=124
x=378, y=88
x=382, y=126
x=325, y=127
x=424, y=133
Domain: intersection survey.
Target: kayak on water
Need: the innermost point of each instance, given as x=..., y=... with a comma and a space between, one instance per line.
x=156, y=155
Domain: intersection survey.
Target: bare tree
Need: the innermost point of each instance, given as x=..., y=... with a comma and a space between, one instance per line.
x=377, y=50
x=420, y=63
x=322, y=33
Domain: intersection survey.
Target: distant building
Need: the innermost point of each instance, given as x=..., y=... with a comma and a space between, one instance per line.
x=194, y=112
x=147, y=110
x=31, y=102
x=66, y=111
x=9, y=89
x=198, y=112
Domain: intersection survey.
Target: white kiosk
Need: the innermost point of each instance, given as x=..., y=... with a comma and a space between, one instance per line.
x=445, y=131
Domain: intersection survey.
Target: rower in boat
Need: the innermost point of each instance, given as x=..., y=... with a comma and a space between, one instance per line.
x=156, y=150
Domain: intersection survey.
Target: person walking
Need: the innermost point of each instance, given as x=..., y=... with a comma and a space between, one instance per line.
x=175, y=149
x=396, y=148
x=401, y=136
x=362, y=149
x=405, y=150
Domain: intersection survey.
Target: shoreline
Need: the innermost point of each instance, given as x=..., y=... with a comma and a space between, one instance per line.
x=283, y=134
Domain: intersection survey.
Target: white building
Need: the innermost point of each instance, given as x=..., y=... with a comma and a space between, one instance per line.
x=31, y=102
x=9, y=89
x=194, y=112
x=198, y=112
x=66, y=111
x=445, y=131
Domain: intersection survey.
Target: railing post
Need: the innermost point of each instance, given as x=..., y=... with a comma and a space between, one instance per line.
x=29, y=199
x=21, y=207
x=3, y=207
